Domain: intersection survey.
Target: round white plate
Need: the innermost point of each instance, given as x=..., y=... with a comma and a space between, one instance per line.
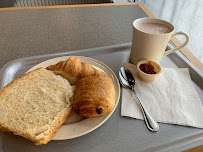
x=77, y=126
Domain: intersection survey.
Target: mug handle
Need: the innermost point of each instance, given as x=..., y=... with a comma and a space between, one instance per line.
x=179, y=47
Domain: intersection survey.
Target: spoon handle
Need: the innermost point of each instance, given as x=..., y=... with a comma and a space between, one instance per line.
x=152, y=125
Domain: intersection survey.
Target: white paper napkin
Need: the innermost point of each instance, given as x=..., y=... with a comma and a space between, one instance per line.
x=171, y=98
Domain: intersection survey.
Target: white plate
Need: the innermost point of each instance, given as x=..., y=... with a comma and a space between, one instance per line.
x=77, y=126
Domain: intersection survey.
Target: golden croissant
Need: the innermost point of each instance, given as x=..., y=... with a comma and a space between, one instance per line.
x=73, y=70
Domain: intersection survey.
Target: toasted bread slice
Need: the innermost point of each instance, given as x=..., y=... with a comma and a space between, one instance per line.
x=35, y=105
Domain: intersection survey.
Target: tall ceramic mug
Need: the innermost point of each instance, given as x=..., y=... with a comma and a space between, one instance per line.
x=150, y=39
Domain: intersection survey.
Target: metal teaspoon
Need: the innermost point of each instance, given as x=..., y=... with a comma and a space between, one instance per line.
x=127, y=80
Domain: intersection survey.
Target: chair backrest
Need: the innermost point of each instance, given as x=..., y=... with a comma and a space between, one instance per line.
x=32, y=3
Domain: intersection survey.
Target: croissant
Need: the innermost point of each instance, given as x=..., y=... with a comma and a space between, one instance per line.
x=94, y=96
x=73, y=70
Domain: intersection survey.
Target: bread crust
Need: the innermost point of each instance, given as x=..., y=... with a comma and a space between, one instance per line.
x=45, y=140
x=73, y=70
x=64, y=119
x=94, y=96
x=10, y=85
x=22, y=132
x=16, y=80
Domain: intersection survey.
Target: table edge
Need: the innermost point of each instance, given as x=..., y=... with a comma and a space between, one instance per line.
x=195, y=149
x=67, y=6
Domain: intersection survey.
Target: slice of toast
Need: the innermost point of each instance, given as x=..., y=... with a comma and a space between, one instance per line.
x=35, y=105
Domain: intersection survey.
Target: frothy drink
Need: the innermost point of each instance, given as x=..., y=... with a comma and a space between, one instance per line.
x=150, y=39
x=153, y=28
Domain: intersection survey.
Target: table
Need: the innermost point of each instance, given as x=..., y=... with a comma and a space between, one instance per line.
x=44, y=30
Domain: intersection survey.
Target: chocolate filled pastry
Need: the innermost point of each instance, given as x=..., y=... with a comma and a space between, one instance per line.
x=94, y=96
x=73, y=70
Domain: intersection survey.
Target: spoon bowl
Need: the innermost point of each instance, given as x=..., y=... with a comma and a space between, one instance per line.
x=123, y=81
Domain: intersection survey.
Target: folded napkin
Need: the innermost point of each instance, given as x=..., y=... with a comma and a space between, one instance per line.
x=171, y=98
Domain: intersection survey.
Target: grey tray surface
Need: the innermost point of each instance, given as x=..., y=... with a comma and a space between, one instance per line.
x=117, y=133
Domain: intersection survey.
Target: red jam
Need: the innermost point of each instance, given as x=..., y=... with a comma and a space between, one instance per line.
x=147, y=68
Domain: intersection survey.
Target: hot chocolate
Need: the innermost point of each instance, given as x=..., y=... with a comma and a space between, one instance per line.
x=150, y=39
x=153, y=28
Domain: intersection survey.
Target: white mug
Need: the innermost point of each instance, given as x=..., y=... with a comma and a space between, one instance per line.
x=150, y=39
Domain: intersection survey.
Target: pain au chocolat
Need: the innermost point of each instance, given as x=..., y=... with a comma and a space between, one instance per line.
x=73, y=70
x=94, y=96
